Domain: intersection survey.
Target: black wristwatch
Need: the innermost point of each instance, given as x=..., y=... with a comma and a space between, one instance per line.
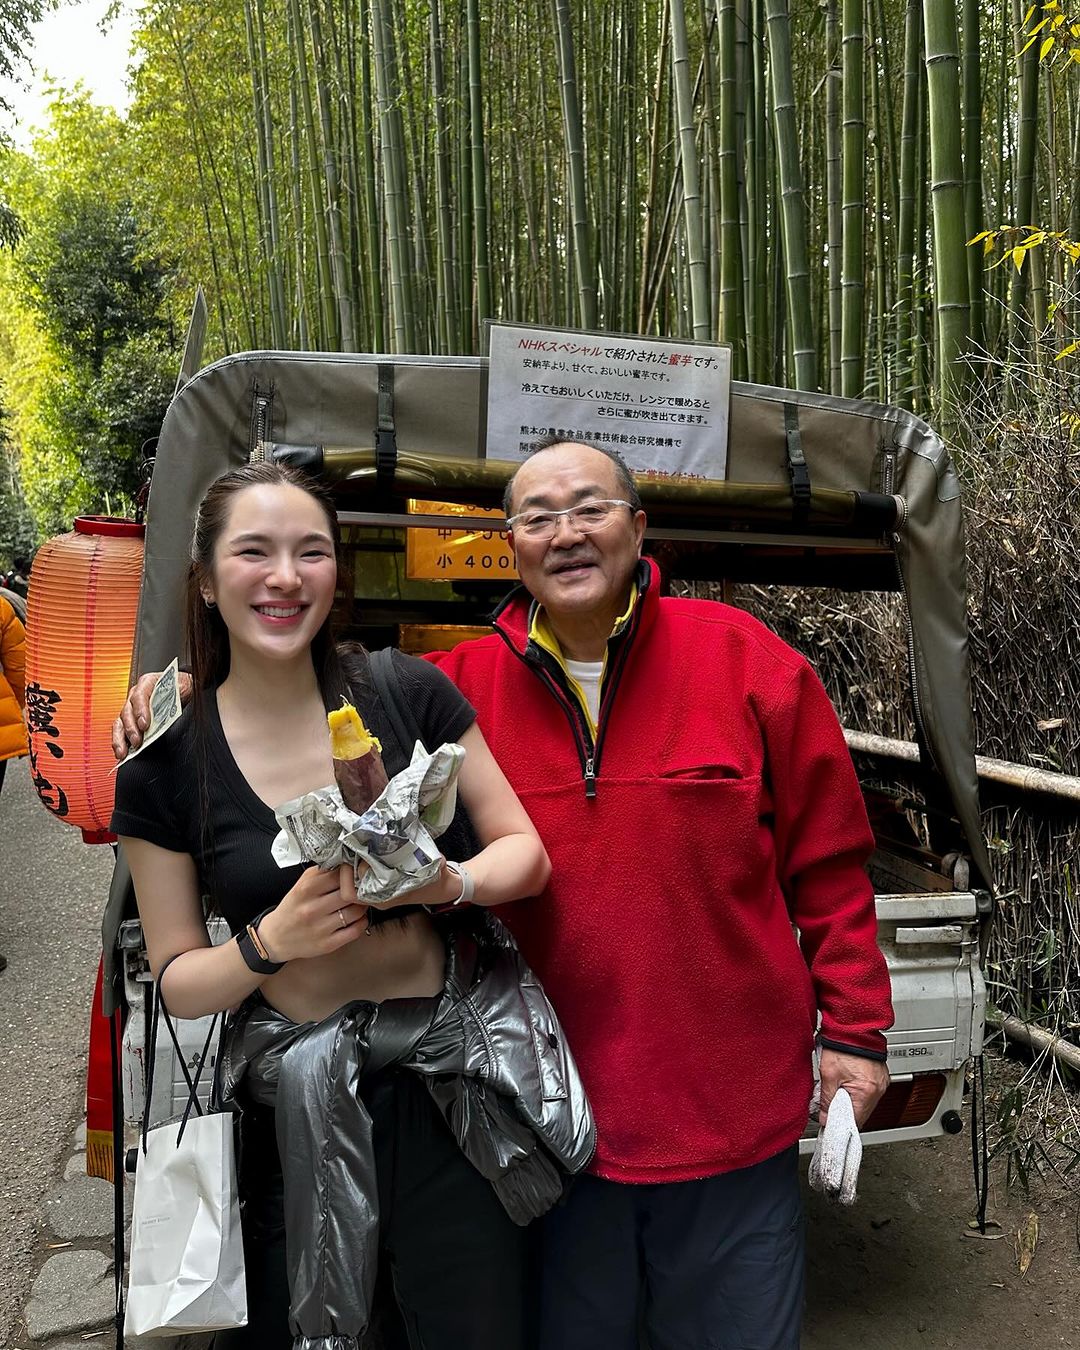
x=255, y=955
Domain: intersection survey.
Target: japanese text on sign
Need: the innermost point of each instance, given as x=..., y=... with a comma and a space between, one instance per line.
x=453, y=554
x=662, y=404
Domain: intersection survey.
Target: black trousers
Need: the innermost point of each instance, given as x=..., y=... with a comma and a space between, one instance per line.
x=715, y=1264
x=453, y=1260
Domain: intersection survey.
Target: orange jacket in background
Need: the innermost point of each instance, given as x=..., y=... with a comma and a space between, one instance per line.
x=12, y=683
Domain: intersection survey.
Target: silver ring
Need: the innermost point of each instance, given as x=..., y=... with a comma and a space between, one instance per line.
x=341, y=916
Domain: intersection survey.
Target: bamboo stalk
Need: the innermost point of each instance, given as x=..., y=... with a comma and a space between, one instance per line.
x=482, y=255
x=973, y=194
x=339, y=275
x=947, y=196
x=690, y=170
x=575, y=156
x=448, y=309
x=1036, y=1039
x=370, y=220
x=652, y=187
x=266, y=196
x=1023, y=777
x=879, y=216
x=759, y=181
x=392, y=156
x=345, y=45
x=329, y=335
x=731, y=273
x=304, y=326
x=1024, y=180
x=852, y=359
x=833, y=190
x=904, y=382
x=792, y=197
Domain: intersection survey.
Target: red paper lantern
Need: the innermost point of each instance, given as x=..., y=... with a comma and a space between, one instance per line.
x=80, y=630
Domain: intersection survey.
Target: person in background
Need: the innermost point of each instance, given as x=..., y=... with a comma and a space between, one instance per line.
x=13, y=742
x=18, y=579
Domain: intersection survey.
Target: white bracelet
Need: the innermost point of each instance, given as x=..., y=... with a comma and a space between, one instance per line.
x=468, y=885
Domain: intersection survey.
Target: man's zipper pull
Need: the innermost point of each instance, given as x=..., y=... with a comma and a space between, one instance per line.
x=590, y=779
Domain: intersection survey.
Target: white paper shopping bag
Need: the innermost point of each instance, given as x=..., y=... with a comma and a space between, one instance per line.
x=187, y=1253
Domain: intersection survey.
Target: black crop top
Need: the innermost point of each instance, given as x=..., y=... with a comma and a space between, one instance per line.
x=157, y=794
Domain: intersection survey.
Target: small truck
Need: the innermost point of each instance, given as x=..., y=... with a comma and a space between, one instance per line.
x=819, y=491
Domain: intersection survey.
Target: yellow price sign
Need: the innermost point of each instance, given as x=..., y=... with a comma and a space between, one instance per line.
x=450, y=553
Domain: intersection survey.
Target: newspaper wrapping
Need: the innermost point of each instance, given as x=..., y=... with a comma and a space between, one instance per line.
x=395, y=837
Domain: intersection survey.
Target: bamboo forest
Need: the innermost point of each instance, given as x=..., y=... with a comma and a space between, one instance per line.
x=800, y=180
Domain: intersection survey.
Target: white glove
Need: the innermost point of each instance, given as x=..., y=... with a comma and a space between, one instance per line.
x=834, y=1168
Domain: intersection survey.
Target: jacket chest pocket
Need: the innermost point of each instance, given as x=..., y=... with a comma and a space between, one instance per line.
x=704, y=773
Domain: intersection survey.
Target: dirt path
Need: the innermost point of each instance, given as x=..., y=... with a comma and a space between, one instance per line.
x=898, y=1272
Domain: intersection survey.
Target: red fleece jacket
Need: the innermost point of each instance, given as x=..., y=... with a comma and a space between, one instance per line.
x=726, y=809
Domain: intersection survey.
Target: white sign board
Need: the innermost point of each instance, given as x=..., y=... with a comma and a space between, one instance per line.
x=663, y=404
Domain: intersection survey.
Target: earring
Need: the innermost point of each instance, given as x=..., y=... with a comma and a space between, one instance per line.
x=210, y=604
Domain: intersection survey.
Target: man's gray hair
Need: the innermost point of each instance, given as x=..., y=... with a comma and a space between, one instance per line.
x=625, y=478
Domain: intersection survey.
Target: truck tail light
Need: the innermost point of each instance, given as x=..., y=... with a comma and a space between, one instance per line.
x=908, y=1103
x=101, y=1119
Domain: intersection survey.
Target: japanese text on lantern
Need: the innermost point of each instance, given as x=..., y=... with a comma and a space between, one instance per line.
x=41, y=707
x=452, y=553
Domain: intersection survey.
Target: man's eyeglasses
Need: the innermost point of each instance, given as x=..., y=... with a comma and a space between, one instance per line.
x=586, y=518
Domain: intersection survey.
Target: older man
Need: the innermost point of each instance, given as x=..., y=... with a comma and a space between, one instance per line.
x=708, y=915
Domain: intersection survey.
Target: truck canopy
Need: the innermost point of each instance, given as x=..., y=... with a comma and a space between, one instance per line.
x=819, y=491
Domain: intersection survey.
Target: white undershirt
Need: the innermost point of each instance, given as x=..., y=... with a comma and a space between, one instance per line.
x=587, y=675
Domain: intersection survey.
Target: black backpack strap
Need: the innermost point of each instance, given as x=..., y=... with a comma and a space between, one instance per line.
x=387, y=684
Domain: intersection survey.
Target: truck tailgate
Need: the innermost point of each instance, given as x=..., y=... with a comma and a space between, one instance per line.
x=931, y=944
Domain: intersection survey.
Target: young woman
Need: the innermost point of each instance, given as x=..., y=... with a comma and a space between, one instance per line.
x=194, y=812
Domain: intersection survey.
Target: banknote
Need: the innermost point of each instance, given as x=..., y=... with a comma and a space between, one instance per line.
x=165, y=707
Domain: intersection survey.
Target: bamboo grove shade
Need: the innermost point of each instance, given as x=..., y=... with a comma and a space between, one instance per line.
x=84, y=593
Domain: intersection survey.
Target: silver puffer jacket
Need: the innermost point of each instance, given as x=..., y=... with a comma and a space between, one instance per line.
x=492, y=1055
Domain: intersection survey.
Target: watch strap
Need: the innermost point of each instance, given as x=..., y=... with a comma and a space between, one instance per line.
x=253, y=950
x=468, y=884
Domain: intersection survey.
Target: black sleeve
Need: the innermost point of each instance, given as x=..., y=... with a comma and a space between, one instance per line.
x=441, y=711
x=151, y=794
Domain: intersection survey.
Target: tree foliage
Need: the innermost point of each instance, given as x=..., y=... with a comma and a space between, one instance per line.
x=89, y=276
x=91, y=350
x=18, y=533
x=17, y=18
